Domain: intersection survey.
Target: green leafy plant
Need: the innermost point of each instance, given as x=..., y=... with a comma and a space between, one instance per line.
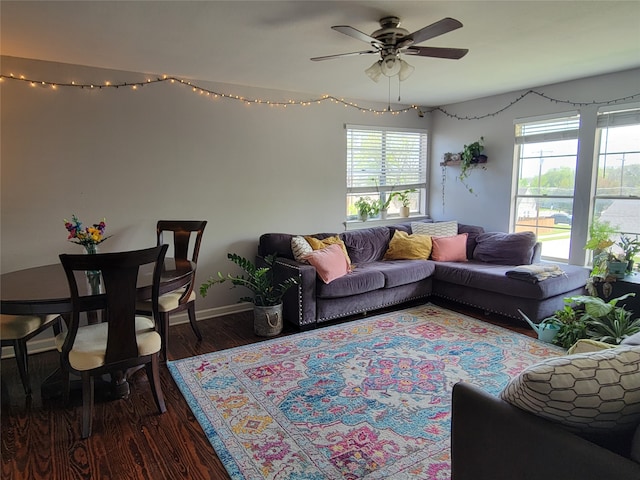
x=404, y=196
x=260, y=280
x=469, y=157
x=571, y=323
x=600, y=241
x=630, y=246
x=367, y=208
x=586, y=316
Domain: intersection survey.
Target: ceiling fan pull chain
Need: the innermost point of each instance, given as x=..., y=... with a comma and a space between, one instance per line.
x=389, y=95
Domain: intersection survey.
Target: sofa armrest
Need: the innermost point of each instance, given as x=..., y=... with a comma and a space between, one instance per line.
x=299, y=303
x=493, y=440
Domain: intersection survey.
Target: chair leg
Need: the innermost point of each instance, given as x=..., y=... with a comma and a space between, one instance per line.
x=87, y=404
x=20, y=349
x=191, y=311
x=153, y=374
x=164, y=333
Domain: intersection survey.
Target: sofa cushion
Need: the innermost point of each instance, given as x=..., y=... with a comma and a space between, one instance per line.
x=362, y=279
x=450, y=249
x=367, y=244
x=505, y=248
x=472, y=232
x=408, y=247
x=442, y=229
x=587, y=392
x=278, y=243
x=403, y=272
x=330, y=262
x=489, y=276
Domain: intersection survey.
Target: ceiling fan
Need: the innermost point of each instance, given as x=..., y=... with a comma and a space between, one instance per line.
x=390, y=41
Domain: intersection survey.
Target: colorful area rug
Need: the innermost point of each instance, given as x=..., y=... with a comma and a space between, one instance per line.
x=366, y=399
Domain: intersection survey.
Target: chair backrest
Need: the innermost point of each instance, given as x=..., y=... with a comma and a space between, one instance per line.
x=117, y=299
x=182, y=230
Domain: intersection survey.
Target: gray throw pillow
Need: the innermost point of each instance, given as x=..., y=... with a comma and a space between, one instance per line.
x=505, y=248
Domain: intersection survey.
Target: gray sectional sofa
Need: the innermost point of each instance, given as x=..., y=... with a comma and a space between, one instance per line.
x=377, y=283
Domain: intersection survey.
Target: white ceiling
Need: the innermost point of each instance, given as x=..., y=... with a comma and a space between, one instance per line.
x=513, y=44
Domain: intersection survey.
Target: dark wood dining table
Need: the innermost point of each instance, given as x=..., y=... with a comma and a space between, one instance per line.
x=45, y=290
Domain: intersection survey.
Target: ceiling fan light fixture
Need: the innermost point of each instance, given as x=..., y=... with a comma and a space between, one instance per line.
x=390, y=65
x=405, y=70
x=374, y=71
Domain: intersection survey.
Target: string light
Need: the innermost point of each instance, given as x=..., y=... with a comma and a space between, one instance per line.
x=325, y=98
x=214, y=94
x=539, y=94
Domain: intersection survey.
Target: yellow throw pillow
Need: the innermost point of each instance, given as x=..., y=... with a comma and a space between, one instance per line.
x=408, y=247
x=318, y=244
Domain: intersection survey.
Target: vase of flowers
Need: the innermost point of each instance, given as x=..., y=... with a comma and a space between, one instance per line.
x=89, y=238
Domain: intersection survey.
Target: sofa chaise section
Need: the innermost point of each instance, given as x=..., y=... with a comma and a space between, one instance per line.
x=486, y=286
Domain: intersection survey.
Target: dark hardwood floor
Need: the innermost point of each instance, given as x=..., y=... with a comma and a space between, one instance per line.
x=130, y=440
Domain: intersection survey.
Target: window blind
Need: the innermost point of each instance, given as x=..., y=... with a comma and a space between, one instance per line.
x=385, y=159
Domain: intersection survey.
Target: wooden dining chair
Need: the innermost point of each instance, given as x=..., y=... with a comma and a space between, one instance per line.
x=17, y=330
x=186, y=237
x=123, y=339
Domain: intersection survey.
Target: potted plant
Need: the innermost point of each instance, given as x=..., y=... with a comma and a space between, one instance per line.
x=631, y=248
x=470, y=156
x=267, y=295
x=591, y=317
x=367, y=208
x=405, y=200
x=600, y=242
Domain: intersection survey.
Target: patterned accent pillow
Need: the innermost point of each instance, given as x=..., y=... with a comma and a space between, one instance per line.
x=300, y=247
x=595, y=392
x=441, y=229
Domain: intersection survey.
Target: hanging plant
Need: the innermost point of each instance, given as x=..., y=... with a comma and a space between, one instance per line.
x=471, y=156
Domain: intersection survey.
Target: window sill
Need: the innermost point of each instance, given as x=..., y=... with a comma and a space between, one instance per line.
x=377, y=222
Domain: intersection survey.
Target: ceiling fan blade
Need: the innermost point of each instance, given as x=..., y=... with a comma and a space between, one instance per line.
x=438, y=52
x=435, y=29
x=355, y=33
x=329, y=57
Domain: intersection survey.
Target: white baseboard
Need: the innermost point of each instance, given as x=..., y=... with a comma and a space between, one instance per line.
x=45, y=342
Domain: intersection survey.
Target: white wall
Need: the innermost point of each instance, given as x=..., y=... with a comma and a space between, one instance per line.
x=165, y=152
x=491, y=207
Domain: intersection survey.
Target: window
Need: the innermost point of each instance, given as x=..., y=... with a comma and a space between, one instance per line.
x=617, y=192
x=382, y=161
x=546, y=155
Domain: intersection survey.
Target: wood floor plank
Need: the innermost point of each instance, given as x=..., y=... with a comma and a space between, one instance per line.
x=130, y=440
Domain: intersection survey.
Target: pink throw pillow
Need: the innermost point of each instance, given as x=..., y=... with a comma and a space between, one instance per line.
x=449, y=249
x=330, y=262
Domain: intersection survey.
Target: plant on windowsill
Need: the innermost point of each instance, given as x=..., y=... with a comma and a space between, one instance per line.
x=367, y=208
x=404, y=199
x=631, y=248
x=605, y=259
x=266, y=294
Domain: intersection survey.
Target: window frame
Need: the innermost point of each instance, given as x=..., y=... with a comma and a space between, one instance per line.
x=380, y=187
x=561, y=126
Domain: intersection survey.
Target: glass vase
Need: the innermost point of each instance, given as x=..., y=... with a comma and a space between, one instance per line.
x=93, y=276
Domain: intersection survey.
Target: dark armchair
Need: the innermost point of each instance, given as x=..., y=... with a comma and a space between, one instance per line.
x=493, y=440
